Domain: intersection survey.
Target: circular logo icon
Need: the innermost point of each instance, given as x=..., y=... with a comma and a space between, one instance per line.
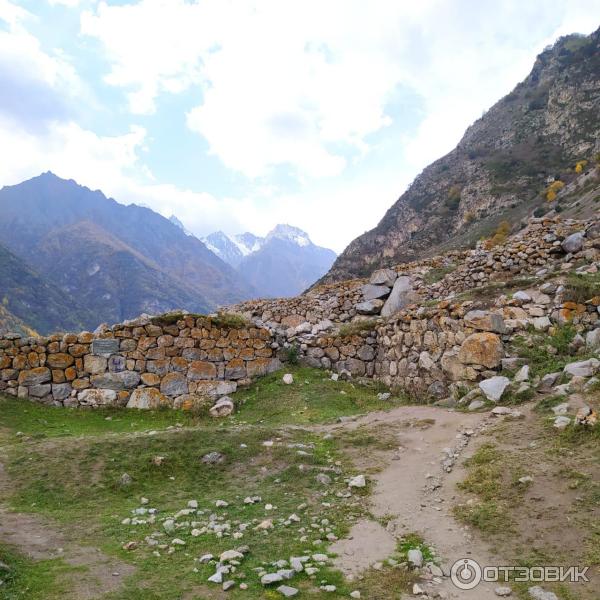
x=465, y=574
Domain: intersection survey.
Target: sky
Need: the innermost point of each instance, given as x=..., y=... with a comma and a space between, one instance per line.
x=236, y=115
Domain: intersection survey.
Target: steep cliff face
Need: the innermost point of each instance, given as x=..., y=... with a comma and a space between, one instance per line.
x=501, y=167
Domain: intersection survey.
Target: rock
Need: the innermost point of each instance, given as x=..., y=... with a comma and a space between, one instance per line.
x=485, y=320
x=174, y=384
x=538, y=593
x=401, y=296
x=116, y=381
x=94, y=365
x=583, y=368
x=374, y=292
x=35, y=376
x=287, y=591
x=369, y=307
x=270, y=578
x=573, y=243
x=91, y=397
x=415, y=557
x=592, y=339
x=288, y=379
x=147, y=398
x=417, y=590
x=125, y=480
x=562, y=422
x=222, y=408
x=216, y=578
x=522, y=374
x=355, y=594
x=357, y=482
x=482, y=349
x=503, y=591
x=548, y=381
x=476, y=404
x=494, y=387
x=323, y=479
x=227, y=585
x=561, y=409
x=213, y=458
x=385, y=277
x=229, y=555
x=586, y=416
x=521, y=296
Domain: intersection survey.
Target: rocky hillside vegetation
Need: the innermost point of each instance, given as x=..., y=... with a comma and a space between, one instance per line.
x=514, y=161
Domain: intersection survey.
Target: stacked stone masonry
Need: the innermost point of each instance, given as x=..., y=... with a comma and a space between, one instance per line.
x=141, y=364
x=400, y=327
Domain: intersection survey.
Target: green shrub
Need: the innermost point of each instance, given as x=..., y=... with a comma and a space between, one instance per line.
x=580, y=288
x=292, y=355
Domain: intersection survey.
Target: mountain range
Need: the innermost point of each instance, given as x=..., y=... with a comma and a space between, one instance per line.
x=100, y=261
x=71, y=258
x=283, y=263
x=502, y=167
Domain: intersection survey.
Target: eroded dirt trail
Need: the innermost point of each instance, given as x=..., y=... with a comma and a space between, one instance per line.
x=38, y=539
x=414, y=493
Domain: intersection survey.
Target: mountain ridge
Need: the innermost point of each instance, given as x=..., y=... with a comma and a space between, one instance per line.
x=283, y=263
x=500, y=168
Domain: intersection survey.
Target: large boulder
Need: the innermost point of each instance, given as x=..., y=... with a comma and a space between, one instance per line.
x=482, y=349
x=372, y=292
x=147, y=398
x=485, y=320
x=385, y=277
x=369, y=307
x=573, y=243
x=401, y=296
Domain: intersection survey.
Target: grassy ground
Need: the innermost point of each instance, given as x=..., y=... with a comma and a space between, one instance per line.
x=66, y=465
x=552, y=519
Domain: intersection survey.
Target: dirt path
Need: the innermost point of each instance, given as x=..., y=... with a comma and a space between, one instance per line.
x=415, y=494
x=39, y=540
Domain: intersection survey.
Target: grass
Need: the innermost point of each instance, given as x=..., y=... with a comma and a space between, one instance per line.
x=224, y=320
x=580, y=288
x=312, y=398
x=492, y=477
x=437, y=274
x=39, y=421
x=357, y=327
x=547, y=353
x=30, y=580
x=68, y=464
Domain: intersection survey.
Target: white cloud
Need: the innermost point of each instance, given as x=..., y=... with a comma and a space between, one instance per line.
x=67, y=3
x=305, y=83
x=280, y=82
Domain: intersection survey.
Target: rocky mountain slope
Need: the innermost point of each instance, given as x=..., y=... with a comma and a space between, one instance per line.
x=284, y=263
x=117, y=261
x=27, y=298
x=502, y=167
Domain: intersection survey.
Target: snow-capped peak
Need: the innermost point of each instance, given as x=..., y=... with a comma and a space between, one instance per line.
x=291, y=234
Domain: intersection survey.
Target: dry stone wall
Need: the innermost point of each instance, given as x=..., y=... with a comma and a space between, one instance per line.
x=146, y=363
x=399, y=327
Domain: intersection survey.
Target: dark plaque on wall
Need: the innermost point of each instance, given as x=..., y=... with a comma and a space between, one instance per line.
x=105, y=347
